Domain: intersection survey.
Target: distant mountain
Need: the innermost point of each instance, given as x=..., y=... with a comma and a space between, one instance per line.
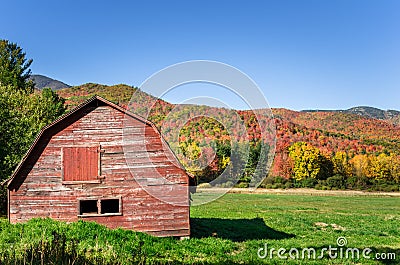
x=42, y=81
x=374, y=113
x=392, y=116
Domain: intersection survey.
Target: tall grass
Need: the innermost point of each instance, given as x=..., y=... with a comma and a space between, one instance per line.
x=45, y=241
x=227, y=231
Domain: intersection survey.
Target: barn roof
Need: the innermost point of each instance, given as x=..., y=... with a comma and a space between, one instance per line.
x=31, y=156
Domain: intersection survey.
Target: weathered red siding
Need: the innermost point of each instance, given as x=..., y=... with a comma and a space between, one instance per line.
x=46, y=192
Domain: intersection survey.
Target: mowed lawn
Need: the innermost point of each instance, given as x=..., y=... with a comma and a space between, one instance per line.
x=302, y=221
x=230, y=230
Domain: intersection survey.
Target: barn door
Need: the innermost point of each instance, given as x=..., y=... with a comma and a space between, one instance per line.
x=80, y=163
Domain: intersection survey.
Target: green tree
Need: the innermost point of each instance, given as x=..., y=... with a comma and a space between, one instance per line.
x=14, y=67
x=23, y=112
x=22, y=115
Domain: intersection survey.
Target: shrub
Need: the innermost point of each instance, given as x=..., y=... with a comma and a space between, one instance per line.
x=358, y=183
x=268, y=180
x=336, y=182
x=332, y=183
x=278, y=186
x=242, y=185
x=280, y=180
x=351, y=182
x=385, y=186
x=306, y=183
x=204, y=186
x=288, y=185
x=363, y=183
x=228, y=184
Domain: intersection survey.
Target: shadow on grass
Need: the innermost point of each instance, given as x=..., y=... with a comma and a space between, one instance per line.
x=388, y=256
x=234, y=229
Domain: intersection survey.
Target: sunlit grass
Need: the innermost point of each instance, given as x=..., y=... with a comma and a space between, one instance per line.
x=226, y=231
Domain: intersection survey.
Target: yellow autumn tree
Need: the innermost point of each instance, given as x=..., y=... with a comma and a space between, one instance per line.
x=308, y=162
x=379, y=167
x=341, y=165
x=189, y=157
x=394, y=167
x=361, y=166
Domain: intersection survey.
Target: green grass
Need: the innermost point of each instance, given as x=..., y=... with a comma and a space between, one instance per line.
x=227, y=231
x=289, y=221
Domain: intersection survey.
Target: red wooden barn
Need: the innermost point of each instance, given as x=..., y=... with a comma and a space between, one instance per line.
x=77, y=169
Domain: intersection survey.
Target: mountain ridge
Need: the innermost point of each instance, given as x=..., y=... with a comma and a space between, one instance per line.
x=367, y=111
x=321, y=120
x=42, y=81
x=121, y=94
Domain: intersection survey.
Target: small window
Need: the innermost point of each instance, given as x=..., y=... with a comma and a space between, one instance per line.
x=100, y=207
x=88, y=207
x=110, y=206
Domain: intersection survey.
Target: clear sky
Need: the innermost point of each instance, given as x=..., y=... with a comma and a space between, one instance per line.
x=303, y=54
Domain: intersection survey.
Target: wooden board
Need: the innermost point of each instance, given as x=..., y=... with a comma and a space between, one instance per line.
x=73, y=153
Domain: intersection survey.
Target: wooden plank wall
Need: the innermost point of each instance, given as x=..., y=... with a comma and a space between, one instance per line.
x=44, y=195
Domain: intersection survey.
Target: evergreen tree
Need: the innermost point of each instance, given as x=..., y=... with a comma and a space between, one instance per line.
x=14, y=67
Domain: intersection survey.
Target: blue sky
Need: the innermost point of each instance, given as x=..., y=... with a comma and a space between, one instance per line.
x=309, y=54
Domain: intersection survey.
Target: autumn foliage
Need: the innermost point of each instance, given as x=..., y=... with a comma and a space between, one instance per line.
x=324, y=146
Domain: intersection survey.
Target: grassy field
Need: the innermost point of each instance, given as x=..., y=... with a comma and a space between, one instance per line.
x=300, y=221
x=230, y=230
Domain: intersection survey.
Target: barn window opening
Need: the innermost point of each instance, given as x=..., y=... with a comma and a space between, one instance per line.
x=110, y=206
x=99, y=207
x=88, y=207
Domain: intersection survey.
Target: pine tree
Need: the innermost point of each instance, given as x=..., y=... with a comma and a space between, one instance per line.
x=14, y=67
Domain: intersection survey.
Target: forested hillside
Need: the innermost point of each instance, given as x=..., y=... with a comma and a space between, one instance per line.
x=316, y=145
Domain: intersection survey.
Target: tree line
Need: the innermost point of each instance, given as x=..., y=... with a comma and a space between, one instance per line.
x=307, y=166
x=23, y=110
